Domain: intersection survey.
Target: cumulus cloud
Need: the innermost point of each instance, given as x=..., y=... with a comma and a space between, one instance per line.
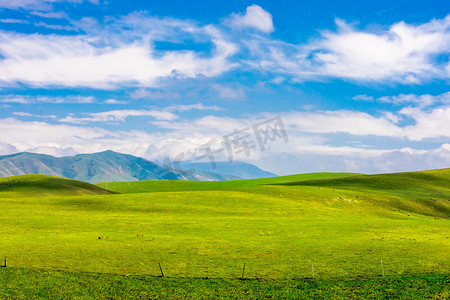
x=108, y=58
x=404, y=53
x=433, y=123
x=122, y=52
x=254, y=17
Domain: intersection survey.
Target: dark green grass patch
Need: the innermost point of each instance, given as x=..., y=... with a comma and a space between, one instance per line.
x=16, y=283
x=45, y=186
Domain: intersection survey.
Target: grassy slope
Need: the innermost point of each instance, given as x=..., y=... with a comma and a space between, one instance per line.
x=209, y=229
x=278, y=230
x=182, y=185
x=46, y=186
x=426, y=192
x=433, y=182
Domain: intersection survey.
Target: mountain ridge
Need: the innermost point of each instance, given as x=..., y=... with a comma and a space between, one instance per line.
x=100, y=167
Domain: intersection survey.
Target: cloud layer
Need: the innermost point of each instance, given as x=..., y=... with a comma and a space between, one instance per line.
x=311, y=134
x=123, y=51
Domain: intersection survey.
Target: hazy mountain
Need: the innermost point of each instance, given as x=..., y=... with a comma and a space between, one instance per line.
x=98, y=167
x=240, y=169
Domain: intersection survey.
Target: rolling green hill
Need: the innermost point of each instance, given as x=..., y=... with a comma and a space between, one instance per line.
x=426, y=192
x=422, y=183
x=341, y=224
x=46, y=186
x=147, y=186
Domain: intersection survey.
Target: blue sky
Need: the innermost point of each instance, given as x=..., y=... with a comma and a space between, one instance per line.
x=358, y=86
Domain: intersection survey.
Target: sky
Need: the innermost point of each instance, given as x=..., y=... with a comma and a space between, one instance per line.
x=290, y=86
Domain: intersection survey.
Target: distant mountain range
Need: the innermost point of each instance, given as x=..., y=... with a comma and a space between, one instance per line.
x=240, y=169
x=113, y=166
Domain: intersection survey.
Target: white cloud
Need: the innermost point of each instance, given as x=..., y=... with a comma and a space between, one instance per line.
x=301, y=154
x=433, y=123
x=114, y=101
x=26, y=135
x=254, y=17
x=359, y=160
x=426, y=124
x=107, y=58
x=6, y=149
x=211, y=126
x=50, y=15
x=356, y=123
x=26, y=4
x=27, y=99
x=312, y=136
x=404, y=53
x=154, y=94
x=362, y=98
x=197, y=106
x=419, y=100
x=22, y=114
x=26, y=114
x=115, y=116
x=42, y=5
x=19, y=136
x=56, y=26
x=14, y=21
x=227, y=92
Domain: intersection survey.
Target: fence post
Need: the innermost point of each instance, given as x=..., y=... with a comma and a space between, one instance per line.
x=312, y=270
x=382, y=268
x=243, y=272
x=162, y=273
x=5, y=262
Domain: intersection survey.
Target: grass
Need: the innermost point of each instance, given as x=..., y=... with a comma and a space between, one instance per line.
x=343, y=224
x=38, y=284
x=45, y=186
x=150, y=186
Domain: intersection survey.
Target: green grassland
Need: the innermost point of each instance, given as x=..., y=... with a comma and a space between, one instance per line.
x=342, y=223
x=46, y=185
x=183, y=185
x=37, y=284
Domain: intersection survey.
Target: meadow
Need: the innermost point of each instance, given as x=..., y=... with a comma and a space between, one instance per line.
x=385, y=235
